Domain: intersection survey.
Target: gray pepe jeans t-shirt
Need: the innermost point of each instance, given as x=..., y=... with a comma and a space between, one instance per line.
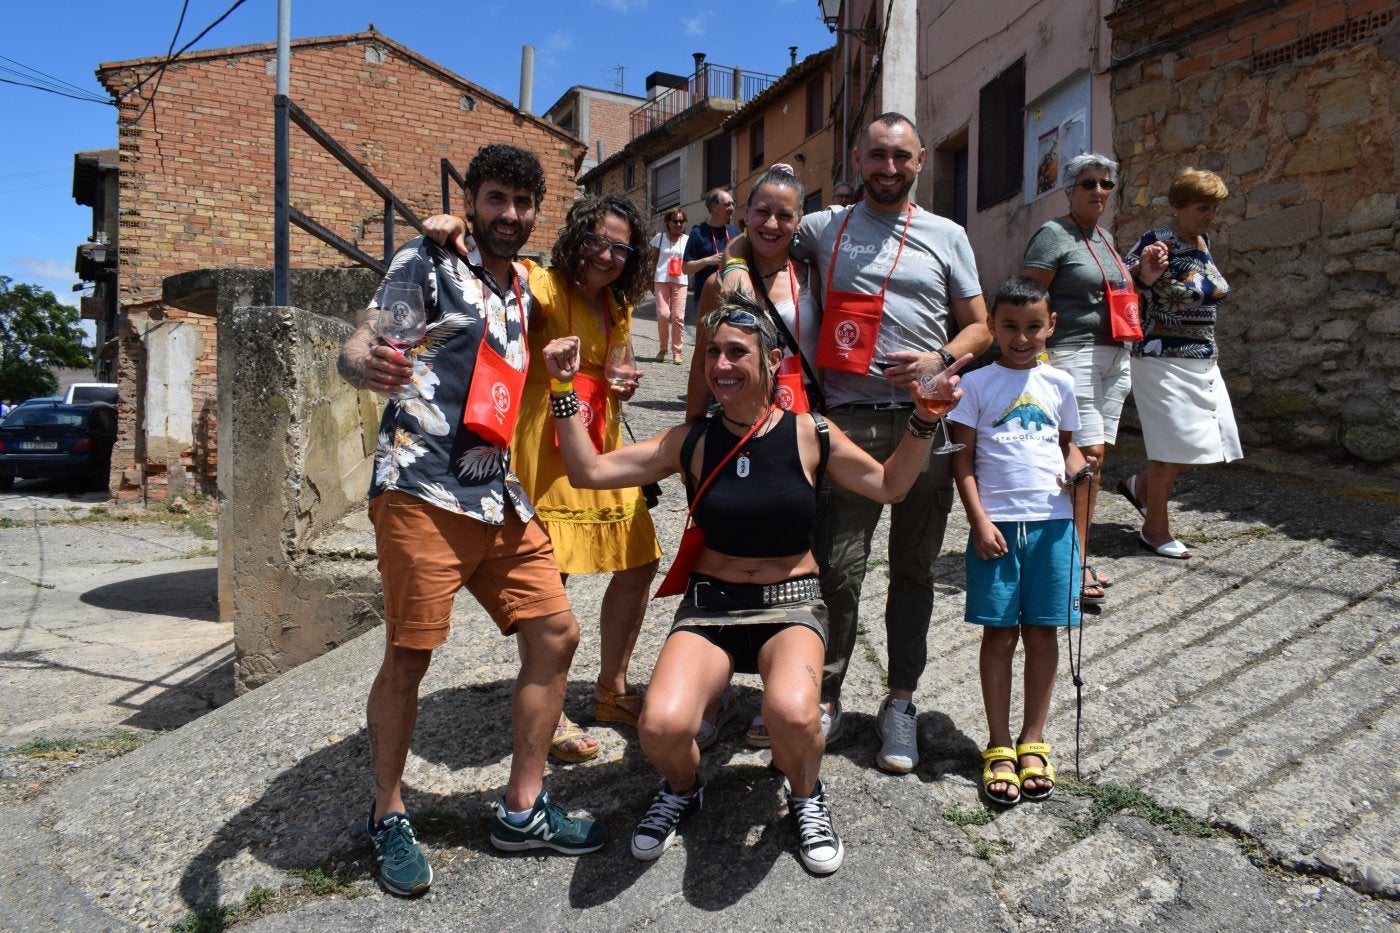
x=935, y=266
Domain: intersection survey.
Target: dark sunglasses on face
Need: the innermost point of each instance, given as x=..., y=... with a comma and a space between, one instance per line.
x=1089, y=184
x=676, y=220
x=597, y=243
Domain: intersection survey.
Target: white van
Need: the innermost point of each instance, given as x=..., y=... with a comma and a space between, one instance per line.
x=80, y=393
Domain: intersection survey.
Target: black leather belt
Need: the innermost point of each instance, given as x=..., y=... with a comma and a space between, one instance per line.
x=723, y=596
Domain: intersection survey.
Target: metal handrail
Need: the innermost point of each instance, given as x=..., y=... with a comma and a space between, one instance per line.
x=287, y=113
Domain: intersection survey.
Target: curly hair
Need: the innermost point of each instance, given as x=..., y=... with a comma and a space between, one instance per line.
x=509, y=165
x=570, y=254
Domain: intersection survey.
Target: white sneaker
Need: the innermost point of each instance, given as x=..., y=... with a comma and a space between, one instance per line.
x=818, y=844
x=899, y=736
x=831, y=722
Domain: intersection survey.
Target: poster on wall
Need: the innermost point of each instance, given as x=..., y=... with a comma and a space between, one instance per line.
x=1057, y=130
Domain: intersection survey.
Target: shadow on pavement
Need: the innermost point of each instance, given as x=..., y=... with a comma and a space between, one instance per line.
x=189, y=594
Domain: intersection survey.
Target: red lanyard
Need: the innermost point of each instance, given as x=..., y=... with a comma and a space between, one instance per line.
x=1089, y=245
x=830, y=271
x=714, y=240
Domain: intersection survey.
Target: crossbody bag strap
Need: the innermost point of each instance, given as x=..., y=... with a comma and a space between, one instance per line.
x=824, y=445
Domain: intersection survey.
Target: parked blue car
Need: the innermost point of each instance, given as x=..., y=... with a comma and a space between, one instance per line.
x=51, y=439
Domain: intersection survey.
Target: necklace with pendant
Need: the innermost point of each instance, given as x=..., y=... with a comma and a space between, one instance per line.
x=742, y=464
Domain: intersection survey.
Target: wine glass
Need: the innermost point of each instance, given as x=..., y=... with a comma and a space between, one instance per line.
x=933, y=391
x=402, y=320
x=620, y=368
x=892, y=337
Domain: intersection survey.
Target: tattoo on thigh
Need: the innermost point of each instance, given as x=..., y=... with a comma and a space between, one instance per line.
x=813, y=674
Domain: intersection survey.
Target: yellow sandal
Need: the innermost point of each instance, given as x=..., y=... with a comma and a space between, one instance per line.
x=566, y=745
x=991, y=756
x=1047, y=773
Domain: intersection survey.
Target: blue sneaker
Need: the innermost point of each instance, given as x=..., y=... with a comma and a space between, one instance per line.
x=397, y=855
x=548, y=827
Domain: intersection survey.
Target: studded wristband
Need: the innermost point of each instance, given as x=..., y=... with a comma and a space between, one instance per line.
x=564, y=406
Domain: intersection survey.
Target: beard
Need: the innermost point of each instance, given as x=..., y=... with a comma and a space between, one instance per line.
x=881, y=196
x=495, y=243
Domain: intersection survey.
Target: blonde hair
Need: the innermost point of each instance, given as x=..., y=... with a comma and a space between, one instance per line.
x=1196, y=184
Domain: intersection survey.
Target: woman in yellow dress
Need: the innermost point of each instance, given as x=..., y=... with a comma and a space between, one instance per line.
x=599, y=271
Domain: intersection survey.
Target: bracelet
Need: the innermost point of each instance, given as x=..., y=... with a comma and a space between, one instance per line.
x=728, y=269
x=920, y=428
x=560, y=388
x=564, y=406
x=736, y=261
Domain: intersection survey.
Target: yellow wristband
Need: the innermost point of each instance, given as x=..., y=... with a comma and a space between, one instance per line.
x=560, y=388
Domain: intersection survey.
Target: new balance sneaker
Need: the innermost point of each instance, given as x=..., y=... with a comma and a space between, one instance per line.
x=831, y=722
x=397, y=855
x=818, y=844
x=547, y=827
x=899, y=736
x=656, y=830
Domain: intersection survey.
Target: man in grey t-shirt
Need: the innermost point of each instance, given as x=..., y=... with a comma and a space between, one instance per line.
x=933, y=307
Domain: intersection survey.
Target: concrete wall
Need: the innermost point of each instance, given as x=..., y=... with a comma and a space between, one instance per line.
x=1296, y=108
x=964, y=44
x=297, y=443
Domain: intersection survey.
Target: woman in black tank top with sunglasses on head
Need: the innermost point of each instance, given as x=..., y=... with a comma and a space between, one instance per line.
x=751, y=603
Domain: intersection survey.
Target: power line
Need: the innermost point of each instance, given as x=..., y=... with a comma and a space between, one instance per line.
x=159, y=72
x=39, y=87
x=48, y=82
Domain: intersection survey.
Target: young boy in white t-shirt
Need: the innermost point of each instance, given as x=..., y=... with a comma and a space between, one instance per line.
x=1016, y=418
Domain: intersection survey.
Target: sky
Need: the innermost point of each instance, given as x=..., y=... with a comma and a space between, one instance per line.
x=587, y=42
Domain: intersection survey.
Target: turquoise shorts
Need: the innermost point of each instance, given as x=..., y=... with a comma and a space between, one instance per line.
x=1033, y=583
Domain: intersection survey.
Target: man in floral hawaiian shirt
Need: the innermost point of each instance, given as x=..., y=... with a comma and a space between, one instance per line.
x=449, y=513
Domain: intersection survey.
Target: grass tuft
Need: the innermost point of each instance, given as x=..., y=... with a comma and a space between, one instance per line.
x=1108, y=799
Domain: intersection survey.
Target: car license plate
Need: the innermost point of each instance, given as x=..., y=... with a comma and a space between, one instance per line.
x=38, y=445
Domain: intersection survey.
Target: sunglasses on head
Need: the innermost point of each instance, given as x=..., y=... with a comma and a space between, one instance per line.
x=597, y=243
x=739, y=317
x=1089, y=184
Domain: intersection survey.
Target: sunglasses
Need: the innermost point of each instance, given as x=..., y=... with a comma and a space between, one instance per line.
x=739, y=318
x=676, y=220
x=1089, y=184
x=597, y=243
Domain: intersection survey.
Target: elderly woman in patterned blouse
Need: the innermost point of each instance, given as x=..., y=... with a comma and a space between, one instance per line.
x=1181, y=399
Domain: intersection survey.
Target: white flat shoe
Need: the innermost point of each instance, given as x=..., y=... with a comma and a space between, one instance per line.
x=1173, y=548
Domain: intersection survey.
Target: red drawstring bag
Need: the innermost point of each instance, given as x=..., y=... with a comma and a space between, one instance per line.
x=493, y=399
x=851, y=320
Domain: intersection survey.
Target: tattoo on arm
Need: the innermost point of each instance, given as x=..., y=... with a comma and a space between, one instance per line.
x=354, y=353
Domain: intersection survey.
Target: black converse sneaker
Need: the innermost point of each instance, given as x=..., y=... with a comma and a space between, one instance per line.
x=657, y=829
x=818, y=844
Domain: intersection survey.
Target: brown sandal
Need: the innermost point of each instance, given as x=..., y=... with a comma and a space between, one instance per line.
x=607, y=706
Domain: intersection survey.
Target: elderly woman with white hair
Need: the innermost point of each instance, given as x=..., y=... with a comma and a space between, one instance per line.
x=1074, y=258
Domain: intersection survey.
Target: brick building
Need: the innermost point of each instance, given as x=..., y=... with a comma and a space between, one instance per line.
x=599, y=118
x=1294, y=105
x=195, y=163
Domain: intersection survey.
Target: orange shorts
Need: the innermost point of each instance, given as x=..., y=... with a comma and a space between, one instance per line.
x=427, y=554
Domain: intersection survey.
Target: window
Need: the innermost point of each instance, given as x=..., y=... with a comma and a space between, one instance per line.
x=816, y=104
x=629, y=176
x=812, y=203
x=718, y=162
x=1000, y=136
x=756, y=144
x=666, y=185
x=566, y=120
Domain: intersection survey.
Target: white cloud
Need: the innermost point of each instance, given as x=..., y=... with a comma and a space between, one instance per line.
x=694, y=25
x=56, y=275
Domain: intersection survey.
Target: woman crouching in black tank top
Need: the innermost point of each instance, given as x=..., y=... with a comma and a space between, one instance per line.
x=751, y=602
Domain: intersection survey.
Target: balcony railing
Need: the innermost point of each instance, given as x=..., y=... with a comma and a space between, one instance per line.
x=720, y=82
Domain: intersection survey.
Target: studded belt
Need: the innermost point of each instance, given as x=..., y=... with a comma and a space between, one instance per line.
x=723, y=596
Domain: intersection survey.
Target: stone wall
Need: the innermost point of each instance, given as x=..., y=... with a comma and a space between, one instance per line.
x=296, y=443
x=1296, y=108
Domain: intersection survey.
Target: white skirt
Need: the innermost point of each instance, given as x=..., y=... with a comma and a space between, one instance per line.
x=1184, y=410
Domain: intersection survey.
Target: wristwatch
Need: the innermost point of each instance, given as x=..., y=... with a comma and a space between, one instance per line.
x=948, y=358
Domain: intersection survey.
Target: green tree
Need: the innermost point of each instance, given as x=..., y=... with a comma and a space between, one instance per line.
x=37, y=334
